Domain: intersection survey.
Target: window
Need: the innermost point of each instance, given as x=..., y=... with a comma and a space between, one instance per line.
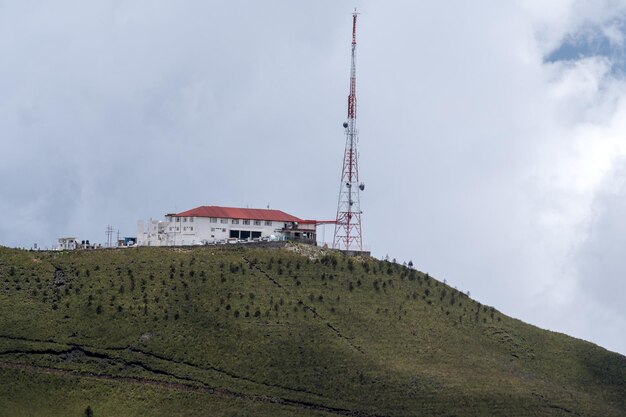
x=177, y=219
x=223, y=221
x=213, y=220
x=213, y=229
x=184, y=219
x=235, y=221
x=257, y=222
x=223, y=230
x=191, y=219
x=268, y=222
x=246, y=222
x=191, y=228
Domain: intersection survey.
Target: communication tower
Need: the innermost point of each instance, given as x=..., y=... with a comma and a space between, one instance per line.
x=348, y=233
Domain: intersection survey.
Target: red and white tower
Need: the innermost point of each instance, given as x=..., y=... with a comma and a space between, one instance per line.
x=348, y=233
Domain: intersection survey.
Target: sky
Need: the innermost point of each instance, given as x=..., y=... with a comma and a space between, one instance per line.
x=492, y=134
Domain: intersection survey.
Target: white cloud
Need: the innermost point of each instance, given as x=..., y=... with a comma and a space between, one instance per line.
x=614, y=34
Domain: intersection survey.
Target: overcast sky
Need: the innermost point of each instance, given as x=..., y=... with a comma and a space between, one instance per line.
x=492, y=133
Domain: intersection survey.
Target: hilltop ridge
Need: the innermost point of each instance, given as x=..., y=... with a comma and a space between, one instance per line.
x=262, y=330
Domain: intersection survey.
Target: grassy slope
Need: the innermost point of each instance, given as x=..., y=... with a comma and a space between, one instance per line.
x=250, y=331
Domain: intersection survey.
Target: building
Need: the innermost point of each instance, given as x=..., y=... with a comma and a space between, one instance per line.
x=67, y=243
x=71, y=243
x=213, y=224
x=127, y=242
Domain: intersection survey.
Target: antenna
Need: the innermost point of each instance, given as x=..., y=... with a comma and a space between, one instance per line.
x=348, y=233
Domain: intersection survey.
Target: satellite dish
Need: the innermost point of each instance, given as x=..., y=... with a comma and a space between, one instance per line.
x=345, y=125
x=362, y=186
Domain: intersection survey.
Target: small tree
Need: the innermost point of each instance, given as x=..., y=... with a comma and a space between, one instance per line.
x=88, y=411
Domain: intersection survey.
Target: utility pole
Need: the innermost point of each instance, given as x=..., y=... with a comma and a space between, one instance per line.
x=348, y=232
x=109, y=234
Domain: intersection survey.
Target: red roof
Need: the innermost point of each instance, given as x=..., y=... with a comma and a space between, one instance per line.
x=239, y=213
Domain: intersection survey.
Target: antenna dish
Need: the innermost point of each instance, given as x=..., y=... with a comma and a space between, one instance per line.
x=345, y=125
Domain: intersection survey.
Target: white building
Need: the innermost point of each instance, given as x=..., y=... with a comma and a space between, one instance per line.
x=67, y=243
x=213, y=224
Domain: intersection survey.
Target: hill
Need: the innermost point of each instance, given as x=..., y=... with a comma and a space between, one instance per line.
x=265, y=331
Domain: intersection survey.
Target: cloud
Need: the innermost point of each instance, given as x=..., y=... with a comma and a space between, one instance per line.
x=599, y=257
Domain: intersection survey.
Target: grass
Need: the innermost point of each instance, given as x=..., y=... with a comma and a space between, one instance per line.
x=265, y=331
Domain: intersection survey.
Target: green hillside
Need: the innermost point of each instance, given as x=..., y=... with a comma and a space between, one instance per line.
x=275, y=331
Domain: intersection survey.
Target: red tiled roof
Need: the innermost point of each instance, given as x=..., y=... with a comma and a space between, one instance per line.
x=239, y=213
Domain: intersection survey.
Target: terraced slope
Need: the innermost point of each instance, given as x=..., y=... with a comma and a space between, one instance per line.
x=293, y=331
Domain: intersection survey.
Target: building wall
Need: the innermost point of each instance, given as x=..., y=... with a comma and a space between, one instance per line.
x=175, y=231
x=68, y=243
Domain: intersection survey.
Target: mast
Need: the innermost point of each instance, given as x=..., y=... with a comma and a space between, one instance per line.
x=348, y=232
